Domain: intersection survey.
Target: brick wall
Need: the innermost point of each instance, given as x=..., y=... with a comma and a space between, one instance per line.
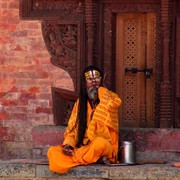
x=26, y=78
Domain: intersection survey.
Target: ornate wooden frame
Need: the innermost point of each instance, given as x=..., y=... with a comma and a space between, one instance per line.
x=94, y=22
x=64, y=42
x=63, y=101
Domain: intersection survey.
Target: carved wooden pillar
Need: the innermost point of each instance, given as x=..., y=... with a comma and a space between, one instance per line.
x=177, y=68
x=91, y=26
x=166, y=84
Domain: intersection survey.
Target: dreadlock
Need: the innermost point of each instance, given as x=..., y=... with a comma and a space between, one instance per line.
x=82, y=107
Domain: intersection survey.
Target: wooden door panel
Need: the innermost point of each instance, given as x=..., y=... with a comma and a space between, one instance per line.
x=135, y=48
x=150, y=63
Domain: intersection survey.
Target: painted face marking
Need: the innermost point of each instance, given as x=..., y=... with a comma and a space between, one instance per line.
x=93, y=76
x=93, y=81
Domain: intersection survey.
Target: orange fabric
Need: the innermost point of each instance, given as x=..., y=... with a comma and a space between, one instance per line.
x=60, y=163
x=101, y=137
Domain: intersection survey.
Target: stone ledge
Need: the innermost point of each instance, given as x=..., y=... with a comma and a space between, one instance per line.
x=39, y=170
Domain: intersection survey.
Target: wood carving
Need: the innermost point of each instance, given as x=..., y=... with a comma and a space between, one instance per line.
x=177, y=69
x=61, y=40
x=166, y=85
x=63, y=44
x=91, y=18
x=63, y=102
x=82, y=32
x=41, y=9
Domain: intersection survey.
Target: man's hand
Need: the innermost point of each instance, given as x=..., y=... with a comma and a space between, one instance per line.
x=67, y=150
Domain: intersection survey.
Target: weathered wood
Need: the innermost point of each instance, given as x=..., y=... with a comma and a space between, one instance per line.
x=63, y=102
x=82, y=32
x=166, y=106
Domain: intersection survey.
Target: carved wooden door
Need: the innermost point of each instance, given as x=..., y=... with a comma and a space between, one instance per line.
x=135, y=65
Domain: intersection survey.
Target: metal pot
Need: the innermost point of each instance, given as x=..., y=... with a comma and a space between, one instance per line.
x=128, y=154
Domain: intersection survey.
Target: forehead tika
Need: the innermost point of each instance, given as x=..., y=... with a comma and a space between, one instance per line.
x=92, y=74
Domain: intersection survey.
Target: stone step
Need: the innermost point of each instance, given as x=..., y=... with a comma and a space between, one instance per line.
x=152, y=144
x=24, y=169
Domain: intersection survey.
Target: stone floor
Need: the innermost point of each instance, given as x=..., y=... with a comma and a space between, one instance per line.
x=24, y=169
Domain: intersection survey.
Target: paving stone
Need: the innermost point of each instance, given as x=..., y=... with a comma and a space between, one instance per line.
x=22, y=178
x=146, y=171
x=77, y=172
x=39, y=170
x=14, y=170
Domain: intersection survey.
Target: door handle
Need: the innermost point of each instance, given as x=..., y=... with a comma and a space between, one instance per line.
x=147, y=71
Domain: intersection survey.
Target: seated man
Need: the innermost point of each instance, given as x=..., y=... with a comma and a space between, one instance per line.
x=92, y=132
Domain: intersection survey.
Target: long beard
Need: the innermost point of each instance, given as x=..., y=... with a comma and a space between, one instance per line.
x=93, y=93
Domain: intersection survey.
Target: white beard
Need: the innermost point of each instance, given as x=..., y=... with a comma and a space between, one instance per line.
x=93, y=93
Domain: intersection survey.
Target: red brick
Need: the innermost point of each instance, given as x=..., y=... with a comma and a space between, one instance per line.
x=12, y=103
x=45, y=89
x=13, y=5
x=44, y=110
x=25, y=96
x=10, y=27
x=14, y=89
x=44, y=82
x=44, y=96
x=4, y=5
x=29, y=67
x=8, y=80
x=30, y=26
x=34, y=90
x=43, y=75
x=3, y=132
x=22, y=83
x=18, y=48
x=23, y=33
x=10, y=136
x=18, y=102
x=47, y=135
x=2, y=94
x=13, y=19
x=31, y=74
x=41, y=140
x=4, y=102
x=18, y=117
x=3, y=115
x=9, y=68
x=16, y=109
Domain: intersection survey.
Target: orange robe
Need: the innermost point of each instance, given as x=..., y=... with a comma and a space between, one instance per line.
x=101, y=137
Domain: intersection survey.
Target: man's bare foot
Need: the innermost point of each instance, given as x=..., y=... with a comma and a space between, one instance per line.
x=103, y=160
